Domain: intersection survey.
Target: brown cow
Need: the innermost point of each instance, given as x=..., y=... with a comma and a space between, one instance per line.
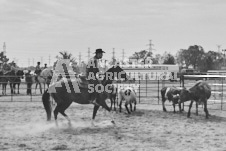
x=199, y=93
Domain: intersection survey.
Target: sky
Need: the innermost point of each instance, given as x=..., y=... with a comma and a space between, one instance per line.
x=37, y=30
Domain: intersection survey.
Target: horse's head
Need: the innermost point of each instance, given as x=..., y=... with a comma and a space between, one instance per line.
x=185, y=95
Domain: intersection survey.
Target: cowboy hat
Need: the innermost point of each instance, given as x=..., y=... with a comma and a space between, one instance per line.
x=99, y=51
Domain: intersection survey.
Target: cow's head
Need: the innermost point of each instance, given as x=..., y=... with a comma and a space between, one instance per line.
x=185, y=95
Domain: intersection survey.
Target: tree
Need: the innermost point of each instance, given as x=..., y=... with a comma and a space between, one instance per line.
x=168, y=58
x=210, y=61
x=3, y=58
x=195, y=53
x=143, y=54
x=157, y=59
x=190, y=56
x=66, y=55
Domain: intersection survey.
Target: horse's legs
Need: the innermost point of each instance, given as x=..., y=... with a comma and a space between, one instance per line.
x=127, y=108
x=40, y=86
x=111, y=103
x=189, y=110
x=94, y=113
x=120, y=106
x=114, y=99
x=61, y=108
x=18, y=87
x=197, y=108
x=36, y=87
x=55, y=114
x=205, y=109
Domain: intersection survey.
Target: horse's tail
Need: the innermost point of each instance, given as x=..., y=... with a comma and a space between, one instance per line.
x=47, y=104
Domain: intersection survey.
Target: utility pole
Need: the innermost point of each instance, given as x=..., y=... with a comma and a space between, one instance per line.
x=4, y=49
x=33, y=62
x=150, y=50
x=41, y=60
x=49, y=60
x=219, y=48
x=224, y=56
x=80, y=58
x=123, y=55
x=88, y=54
x=113, y=56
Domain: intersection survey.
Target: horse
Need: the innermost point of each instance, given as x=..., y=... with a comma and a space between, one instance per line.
x=44, y=78
x=13, y=77
x=129, y=95
x=64, y=99
x=199, y=93
x=4, y=82
x=16, y=80
x=172, y=94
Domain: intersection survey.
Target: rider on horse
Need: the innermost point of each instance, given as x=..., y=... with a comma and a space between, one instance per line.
x=92, y=69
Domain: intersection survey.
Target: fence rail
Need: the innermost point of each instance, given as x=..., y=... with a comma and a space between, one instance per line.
x=149, y=89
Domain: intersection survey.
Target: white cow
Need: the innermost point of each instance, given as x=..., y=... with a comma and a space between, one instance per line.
x=129, y=95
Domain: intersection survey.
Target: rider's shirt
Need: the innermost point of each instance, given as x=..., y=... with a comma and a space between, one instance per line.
x=95, y=66
x=38, y=69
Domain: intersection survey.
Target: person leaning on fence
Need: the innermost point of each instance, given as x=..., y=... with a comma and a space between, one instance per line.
x=37, y=70
x=28, y=79
x=92, y=69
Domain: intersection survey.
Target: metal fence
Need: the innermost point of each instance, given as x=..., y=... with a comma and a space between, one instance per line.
x=147, y=89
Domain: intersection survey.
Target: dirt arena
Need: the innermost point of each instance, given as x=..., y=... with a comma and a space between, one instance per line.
x=24, y=127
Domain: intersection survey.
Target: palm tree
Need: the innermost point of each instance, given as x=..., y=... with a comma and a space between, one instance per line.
x=66, y=55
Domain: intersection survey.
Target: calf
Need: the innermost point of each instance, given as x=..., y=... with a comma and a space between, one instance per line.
x=172, y=94
x=129, y=95
x=112, y=96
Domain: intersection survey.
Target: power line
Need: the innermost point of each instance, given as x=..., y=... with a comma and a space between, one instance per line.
x=4, y=48
x=49, y=59
x=123, y=54
x=113, y=54
x=219, y=48
x=88, y=53
x=80, y=58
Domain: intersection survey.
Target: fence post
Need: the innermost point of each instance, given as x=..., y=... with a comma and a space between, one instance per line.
x=146, y=84
x=222, y=93
x=139, y=86
x=158, y=91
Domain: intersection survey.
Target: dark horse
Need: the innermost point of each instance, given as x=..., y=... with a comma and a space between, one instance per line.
x=3, y=82
x=14, y=78
x=199, y=93
x=63, y=98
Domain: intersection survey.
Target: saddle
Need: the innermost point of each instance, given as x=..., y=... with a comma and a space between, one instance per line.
x=82, y=82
